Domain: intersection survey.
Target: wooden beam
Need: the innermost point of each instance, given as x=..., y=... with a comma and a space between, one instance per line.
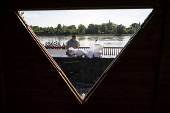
x=78, y=4
x=158, y=102
x=2, y=84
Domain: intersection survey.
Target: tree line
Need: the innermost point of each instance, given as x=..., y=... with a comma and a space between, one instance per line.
x=104, y=28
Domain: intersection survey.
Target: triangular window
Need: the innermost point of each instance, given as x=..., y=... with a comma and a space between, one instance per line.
x=100, y=35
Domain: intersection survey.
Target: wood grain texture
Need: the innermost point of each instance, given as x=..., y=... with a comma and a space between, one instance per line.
x=161, y=97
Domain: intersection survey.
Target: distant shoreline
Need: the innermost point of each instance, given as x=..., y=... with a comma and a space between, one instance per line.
x=91, y=35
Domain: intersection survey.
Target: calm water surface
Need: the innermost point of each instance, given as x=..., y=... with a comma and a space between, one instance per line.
x=87, y=41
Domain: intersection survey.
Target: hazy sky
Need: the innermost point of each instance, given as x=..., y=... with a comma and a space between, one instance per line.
x=85, y=17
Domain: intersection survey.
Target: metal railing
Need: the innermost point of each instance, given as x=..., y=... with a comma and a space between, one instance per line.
x=107, y=51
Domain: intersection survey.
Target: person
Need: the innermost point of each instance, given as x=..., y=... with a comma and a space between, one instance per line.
x=72, y=43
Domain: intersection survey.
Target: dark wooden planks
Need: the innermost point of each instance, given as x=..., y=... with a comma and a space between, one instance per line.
x=89, y=4
x=3, y=102
x=137, y=59
x=162, y=100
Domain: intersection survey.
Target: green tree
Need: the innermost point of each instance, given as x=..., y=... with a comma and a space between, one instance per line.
x=45, y=31
x=64, y=28
x=99, y=32
x=68, y=31
x=59, y=27
x=75, y=31
x=114, y=31
x=131, y=31
x=72, y=27
x=103, y=28
x=51, y=31
x=121, y=29
x=135, y=25
x=109, y=26
x=21, y=13
x=90, y=29
x=97, y=29
x=36, y=29
x=81, y=29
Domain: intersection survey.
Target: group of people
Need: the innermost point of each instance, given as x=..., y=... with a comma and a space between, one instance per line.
x=72, y=43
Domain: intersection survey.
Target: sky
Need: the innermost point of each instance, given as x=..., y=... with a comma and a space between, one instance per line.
x=52, y=18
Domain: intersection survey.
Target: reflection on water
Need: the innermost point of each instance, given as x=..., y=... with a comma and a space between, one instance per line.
x=87, y=41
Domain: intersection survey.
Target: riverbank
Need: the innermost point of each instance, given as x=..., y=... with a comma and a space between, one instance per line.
x=91, y=35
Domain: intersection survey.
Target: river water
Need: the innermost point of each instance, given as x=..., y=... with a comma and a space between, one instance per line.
x=87, y=41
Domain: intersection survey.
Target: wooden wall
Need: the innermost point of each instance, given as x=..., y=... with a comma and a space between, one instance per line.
x=138, y=82
x=162, y=100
